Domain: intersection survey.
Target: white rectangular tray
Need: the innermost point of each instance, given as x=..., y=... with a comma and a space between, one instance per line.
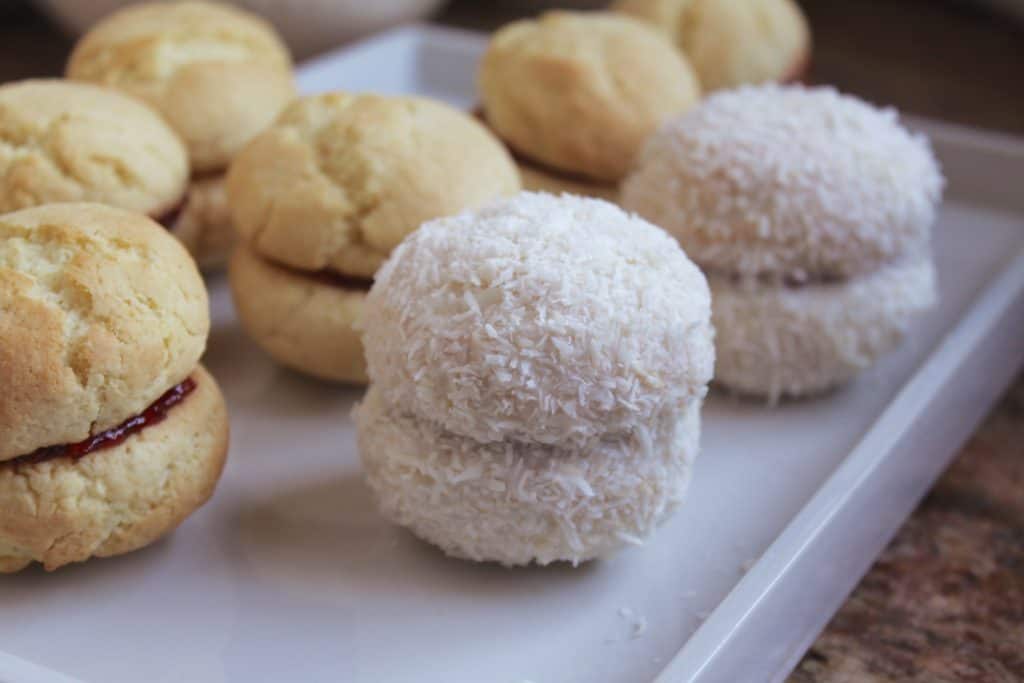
x=289, y=574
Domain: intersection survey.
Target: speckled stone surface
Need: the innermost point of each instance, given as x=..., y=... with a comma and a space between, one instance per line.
x=945, y=601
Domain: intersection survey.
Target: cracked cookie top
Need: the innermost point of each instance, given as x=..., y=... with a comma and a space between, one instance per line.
x=339, y=180
x=62, y=141
x=101, y=311
x=218, y=74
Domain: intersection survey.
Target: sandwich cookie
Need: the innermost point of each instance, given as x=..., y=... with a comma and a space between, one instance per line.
x=111, y=433
x=574, y=95
x=66, y=141
x=217, y=74
x=732, y=42
x=811, y=214
x=322, y=197
x=538, y=369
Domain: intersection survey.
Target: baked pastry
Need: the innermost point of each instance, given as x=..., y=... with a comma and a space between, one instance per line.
x=321, y=198
x=111, y=433
x=217, y=74
x=574, y=95
x=65, y=141
x=538, y=368
x=732, y=42
x=811, y=214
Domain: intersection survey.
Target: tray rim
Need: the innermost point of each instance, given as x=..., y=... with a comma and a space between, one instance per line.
x=998, y=308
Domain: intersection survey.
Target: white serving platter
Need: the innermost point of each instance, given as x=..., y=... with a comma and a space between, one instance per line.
x=289, y=574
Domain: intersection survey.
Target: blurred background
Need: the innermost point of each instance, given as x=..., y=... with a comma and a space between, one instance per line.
x=958, y=60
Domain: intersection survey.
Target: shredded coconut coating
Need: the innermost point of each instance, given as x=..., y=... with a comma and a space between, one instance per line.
x=518, y=503
x=789, y=181
x=779, y=341
x=556, y=320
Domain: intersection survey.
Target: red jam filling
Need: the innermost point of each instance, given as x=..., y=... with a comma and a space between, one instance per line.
x=787, y=280
x=799, y=73
x=169, y=218
x=336, y=279
x=154, y=414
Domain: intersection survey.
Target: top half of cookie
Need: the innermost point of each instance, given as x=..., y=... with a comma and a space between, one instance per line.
x=339, y=180
x=789, y=182
x=732, y=42
x=217, y=74
x=581, y=91
x=64, y=141
x=554, y=320
x=101, y=312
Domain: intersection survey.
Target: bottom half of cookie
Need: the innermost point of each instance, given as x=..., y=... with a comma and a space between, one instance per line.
x=117, y=499
x=304, y=321
x=519, y=503
x=202, y=222
x=779, y=340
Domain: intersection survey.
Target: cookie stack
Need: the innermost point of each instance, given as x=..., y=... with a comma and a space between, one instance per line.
x=218, y=75
x=112, y=432
x=322, y=197
x=811, y=213
x=574, y=95
x=538, y=370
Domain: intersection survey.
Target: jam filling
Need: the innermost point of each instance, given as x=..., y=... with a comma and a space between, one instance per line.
x=799, y=73
x=787, y=280
x=169, y=218
x=331, y=278
x=336, y=279
x=154, y=414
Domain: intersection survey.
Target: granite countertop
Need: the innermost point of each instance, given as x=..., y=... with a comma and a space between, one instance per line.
x=945, y=601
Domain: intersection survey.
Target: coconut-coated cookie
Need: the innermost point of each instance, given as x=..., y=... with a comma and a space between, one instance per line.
x=101, y=311
x=581, y=91
x=218, y=74
x=789, y=181
x=119, y=499
x=548, y=319
x=517, y=503
x=62, y=141
x=778, y=341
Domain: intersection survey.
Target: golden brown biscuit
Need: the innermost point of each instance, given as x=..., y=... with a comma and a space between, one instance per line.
x=62, y=141
x=119, y=499
x=580, y=92
x=539, y=179
x=204, y=222
x=219, y=75
x=340, y=179
x=303, y=322
x=732, y=42
x=100, y=312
